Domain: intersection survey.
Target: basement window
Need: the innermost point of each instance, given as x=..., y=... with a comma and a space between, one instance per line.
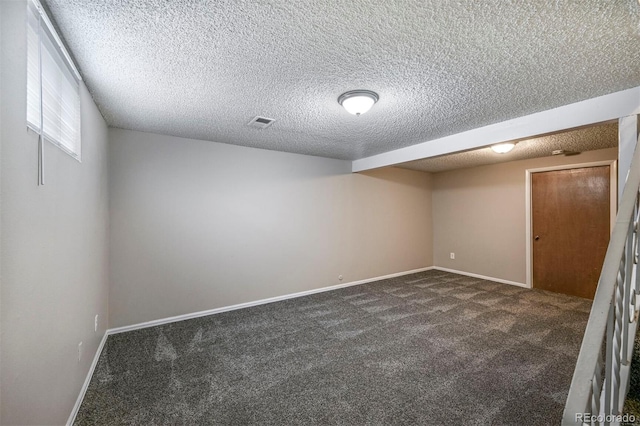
x=53, y=94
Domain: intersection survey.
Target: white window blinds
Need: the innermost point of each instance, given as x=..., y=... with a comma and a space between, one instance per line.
x=53, y=97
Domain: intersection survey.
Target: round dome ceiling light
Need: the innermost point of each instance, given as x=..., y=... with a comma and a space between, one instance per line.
x=503, y=148
x=358, y=102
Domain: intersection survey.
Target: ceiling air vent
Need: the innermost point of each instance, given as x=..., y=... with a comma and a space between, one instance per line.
x=261, y=122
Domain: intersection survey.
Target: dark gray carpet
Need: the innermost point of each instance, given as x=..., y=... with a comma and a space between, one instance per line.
x=632, y=403
x=427, y=348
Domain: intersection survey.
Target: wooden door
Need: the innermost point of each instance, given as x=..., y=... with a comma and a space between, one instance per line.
x=570, y=229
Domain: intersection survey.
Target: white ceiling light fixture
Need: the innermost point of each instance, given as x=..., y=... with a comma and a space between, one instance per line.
x=503, y=148
x=358, y=102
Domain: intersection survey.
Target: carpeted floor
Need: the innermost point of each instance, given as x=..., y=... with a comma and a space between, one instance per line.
x=427, y=348
x=632, y=403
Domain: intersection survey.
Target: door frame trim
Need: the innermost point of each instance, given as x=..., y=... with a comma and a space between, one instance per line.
x=613, y=200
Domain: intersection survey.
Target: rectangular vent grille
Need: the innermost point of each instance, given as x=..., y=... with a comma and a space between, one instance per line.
x=261, y=122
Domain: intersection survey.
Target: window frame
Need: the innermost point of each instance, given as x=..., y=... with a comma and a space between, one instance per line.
x=64, y=109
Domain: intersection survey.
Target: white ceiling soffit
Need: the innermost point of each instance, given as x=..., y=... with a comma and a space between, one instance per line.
x=583, y=113
x=204, y=69
x=578, y=140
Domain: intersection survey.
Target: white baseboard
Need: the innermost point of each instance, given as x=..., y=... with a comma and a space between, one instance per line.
x=247, y=305
x=87, y=380
x=256, y=303
x=154, y=323
x=469, y=274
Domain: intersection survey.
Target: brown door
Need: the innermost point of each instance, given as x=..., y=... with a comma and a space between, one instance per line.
x=570, y=229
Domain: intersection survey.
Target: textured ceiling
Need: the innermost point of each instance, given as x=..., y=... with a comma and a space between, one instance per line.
x=579, y=140
x=204, y=69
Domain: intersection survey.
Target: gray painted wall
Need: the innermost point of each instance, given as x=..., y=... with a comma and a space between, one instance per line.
x=198, y=225
x=53, y=252
x=479, y=214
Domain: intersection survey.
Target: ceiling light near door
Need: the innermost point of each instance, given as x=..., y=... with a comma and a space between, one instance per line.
x=503, y=148
x=358, y=102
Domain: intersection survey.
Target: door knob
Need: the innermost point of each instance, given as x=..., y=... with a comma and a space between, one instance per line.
x=537, y=237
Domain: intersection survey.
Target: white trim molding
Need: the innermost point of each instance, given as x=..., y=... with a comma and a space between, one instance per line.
x=87, y=380
x=257, y=302
x=613, y=201
x=584, y=113
x=483, y=277
x=177, y=318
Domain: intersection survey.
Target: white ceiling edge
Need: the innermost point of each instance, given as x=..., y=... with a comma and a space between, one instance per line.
x=583, y=113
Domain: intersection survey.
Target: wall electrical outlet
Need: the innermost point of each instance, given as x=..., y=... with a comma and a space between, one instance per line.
x=340, y=277
x=452, y=255
x=95, y=324
x=79, y=351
